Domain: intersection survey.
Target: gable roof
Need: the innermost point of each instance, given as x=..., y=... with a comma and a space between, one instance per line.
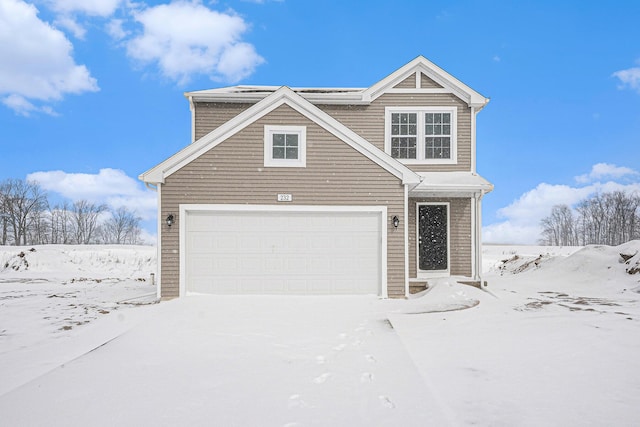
x=281, y=96
x=435, y=73
x=354, y=96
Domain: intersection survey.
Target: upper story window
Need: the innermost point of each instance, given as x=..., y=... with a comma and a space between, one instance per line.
x=421, y=135
x=285, y=146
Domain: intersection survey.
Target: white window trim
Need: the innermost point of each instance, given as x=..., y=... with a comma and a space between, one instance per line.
x=425, y=274
x=300, y=162
x=420, y=154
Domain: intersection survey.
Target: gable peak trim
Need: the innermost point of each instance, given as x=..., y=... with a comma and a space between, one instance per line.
x=422, y=65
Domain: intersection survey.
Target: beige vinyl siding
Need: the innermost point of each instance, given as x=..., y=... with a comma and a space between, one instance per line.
x=368, y=122
x=459, y=238
x=233, y=172
x=210, y=115
x=426, y=82
x=408, y=83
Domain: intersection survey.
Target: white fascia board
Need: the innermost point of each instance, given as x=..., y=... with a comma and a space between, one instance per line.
x=340, y=98
x=257, y=111
x=213, y=138
x=422, y=64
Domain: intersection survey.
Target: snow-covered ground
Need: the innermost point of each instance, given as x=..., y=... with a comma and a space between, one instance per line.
x=553, y=340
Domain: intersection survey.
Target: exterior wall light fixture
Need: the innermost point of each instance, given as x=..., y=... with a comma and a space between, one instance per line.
x=169, y=220
x=396, y=221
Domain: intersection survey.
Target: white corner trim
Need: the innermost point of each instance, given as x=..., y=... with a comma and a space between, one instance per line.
x=192, y=109
x=474, y=114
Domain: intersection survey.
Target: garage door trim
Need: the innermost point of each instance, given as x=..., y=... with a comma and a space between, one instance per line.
x=185, y=209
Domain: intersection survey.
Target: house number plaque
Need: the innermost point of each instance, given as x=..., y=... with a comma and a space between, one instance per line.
x=285, y=198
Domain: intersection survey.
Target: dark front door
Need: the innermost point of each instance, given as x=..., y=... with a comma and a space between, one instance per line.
x=433, y=237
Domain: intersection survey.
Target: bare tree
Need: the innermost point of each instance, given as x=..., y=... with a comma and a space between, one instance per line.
x=26, y=217
x=606, y=219
x=60, y=218
x=4, y=216
x=559, y=228
x=85, y=217
x=22, y=201
x=123, y=226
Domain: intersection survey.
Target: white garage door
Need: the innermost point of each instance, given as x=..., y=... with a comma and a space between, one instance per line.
x=283, y=252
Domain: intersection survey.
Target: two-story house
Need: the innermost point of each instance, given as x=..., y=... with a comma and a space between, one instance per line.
x=324, y=190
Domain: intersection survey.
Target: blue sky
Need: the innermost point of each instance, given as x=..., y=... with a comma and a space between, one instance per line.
x=91, y=92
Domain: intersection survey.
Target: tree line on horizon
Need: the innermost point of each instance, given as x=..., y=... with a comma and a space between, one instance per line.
x=611, y=218
x=27, y=218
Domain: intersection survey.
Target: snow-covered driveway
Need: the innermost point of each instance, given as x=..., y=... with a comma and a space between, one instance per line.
x=239, y=361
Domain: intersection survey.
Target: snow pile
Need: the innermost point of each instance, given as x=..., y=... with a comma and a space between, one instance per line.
x=519, y=258
x=630, y=256
x=67, y=262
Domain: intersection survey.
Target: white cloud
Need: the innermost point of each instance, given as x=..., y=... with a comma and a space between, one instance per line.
x=605, y=170
x=185, y=38
x=521, y=219
x=115, y=28
x=110, y=186
x=72, y=25
x=23, y=107
x=101, y=8
x=37, y=64
x=629, y=78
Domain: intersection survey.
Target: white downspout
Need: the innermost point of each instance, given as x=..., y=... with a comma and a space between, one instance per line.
x=474, y=237
x=406, y=240
x=159, y=245
x=478, y=203
x=473, y=139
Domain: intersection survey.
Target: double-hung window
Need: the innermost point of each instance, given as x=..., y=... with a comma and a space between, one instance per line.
x=421, y=134
x=404, y=135
x=285, y=146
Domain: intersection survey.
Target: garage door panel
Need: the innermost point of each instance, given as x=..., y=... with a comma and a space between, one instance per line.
x=283, y=252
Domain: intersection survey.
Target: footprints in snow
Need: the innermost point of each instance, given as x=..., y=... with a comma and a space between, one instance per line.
x=359, y=338
x=322, y=378
x=366, y=377
x=386, y=402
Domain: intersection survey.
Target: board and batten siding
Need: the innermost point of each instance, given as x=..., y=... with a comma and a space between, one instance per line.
x=459, y=239
x=368, y=122
x=233, y=172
